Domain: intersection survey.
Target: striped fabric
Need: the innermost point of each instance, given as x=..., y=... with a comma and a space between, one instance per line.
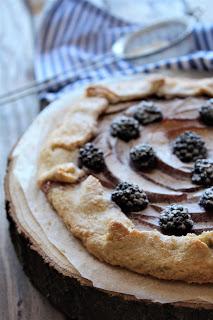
x=76, y=33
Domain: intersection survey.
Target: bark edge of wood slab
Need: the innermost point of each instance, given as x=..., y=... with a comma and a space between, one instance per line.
x=76, y=297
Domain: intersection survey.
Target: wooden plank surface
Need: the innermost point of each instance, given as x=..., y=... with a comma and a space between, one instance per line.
x=18, y=299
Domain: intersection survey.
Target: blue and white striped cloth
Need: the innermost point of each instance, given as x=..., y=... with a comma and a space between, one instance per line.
x=76, y=33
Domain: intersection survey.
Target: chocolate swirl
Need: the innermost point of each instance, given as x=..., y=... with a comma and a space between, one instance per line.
x=170, y=182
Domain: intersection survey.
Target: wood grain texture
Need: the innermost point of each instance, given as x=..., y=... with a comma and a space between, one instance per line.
x=19, y=19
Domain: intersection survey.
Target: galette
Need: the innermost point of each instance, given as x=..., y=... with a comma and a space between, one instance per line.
x=129, y=170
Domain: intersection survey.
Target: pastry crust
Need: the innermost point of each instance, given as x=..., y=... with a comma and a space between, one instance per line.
x=85, y=206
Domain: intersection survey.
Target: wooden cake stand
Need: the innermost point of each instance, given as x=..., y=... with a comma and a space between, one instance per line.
x=75, y=296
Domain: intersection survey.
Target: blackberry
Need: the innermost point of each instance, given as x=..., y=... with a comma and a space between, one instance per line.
x=206, y=199
x=129, y=197
x=92, y=157
x=206, y=112
x=125, y=128
x=175, y=220
x=202, y=172
x=143, y=156
x=189, y=146
x=147, y=112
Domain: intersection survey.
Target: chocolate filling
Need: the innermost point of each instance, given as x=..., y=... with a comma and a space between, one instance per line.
x=170, y=181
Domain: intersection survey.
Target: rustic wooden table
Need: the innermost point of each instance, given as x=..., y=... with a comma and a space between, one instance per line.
x=19, y=19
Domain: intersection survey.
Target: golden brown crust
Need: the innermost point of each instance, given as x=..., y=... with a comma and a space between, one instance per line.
x=58, y=157
x=86, y=208
x=161, y=86
x=109, y=235
x=126, y=91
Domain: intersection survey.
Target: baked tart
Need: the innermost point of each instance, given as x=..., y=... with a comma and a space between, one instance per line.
x=130, y=172
x=128, y=169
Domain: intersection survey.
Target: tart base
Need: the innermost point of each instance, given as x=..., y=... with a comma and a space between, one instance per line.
x=77, y=298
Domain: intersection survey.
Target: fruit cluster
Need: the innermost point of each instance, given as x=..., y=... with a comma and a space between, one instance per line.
x=189, y=146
